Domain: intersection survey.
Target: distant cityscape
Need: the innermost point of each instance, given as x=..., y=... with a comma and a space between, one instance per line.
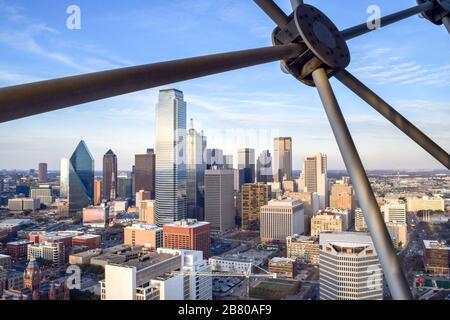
x=189, y=222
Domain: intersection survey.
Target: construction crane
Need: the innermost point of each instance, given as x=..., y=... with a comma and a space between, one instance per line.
x=248, y=274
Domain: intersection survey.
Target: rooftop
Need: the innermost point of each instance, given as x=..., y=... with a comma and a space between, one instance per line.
x=146, y=227
x=190, y=223
x=432, y=244
x=282, y=260
x=145, y=261
x=14, y=222
x=286, y=202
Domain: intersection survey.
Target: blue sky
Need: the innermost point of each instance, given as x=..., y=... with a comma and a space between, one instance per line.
x=407, y=64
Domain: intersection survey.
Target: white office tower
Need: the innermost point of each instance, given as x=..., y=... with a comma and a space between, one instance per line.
x=219, y=200
x=394, y=212
x=163, y=275
x=280, y=219
x=349, y=267
x=197, y=270
x=314, y=178
x=171, y=159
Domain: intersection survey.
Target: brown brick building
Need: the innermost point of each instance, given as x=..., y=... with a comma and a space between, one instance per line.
x=188, y=235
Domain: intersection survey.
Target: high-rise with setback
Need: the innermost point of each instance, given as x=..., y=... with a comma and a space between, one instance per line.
x=109, y=176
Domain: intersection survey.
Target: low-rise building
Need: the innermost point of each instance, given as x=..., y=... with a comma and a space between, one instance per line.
x=326, y=221
x=18, y=249
x=283, y=267
x=5, y=261
x=90, y=241
x=52, y=253
x=436, y=257
x=163, y=275
x=415, y=204
x=302, y=248
x=143, y=235
x=188, y=235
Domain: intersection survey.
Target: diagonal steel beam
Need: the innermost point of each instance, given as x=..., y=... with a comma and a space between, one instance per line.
x=377, y=227
x=446, y=22
x=40, y=97
x=394, y=117
x=274, y=12
x=296, y=3
x=387, y=20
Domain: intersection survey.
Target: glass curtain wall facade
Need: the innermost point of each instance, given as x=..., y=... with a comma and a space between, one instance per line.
x=171, y=160
x=77, y=178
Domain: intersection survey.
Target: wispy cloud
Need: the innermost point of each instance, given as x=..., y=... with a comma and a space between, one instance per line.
x=384, y=67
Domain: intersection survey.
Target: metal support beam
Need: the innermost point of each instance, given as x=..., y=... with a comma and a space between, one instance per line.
x=394, y=117
x=40, y=97
x=274, y=12
x=446, y=22
x=296, y=3
x=398, y=284
x=385, y=21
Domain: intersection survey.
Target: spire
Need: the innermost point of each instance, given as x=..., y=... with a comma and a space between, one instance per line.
x=191, y=125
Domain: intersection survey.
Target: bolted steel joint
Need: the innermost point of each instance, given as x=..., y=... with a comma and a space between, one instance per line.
x=440, y=10
x=322, y=44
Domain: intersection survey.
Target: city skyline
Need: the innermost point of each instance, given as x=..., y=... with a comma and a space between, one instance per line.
x=35, y=45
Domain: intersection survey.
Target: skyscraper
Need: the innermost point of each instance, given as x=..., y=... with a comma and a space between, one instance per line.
x=219, y=200
x=281, y=219
x=246, y=164
x=195, y=166
x=171, y=159
x=144, y=172
x=282, y=159
x=43, y=172
x=77, y=178
x=228, y=162
x=214, y=159
x=254, y=196
x=349, y=267
x=314, y=178
x=109, y=176
x=264, y=170
x=124, y=186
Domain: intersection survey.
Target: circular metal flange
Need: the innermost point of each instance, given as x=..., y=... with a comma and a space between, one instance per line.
x=436, y=14
x=322, y=37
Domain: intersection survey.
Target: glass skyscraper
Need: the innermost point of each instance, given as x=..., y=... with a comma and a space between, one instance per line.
x=282, y=159
x=195, y=166
x=171, y=160
x=246, y=165
x=77, y=178
x=264, y=171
